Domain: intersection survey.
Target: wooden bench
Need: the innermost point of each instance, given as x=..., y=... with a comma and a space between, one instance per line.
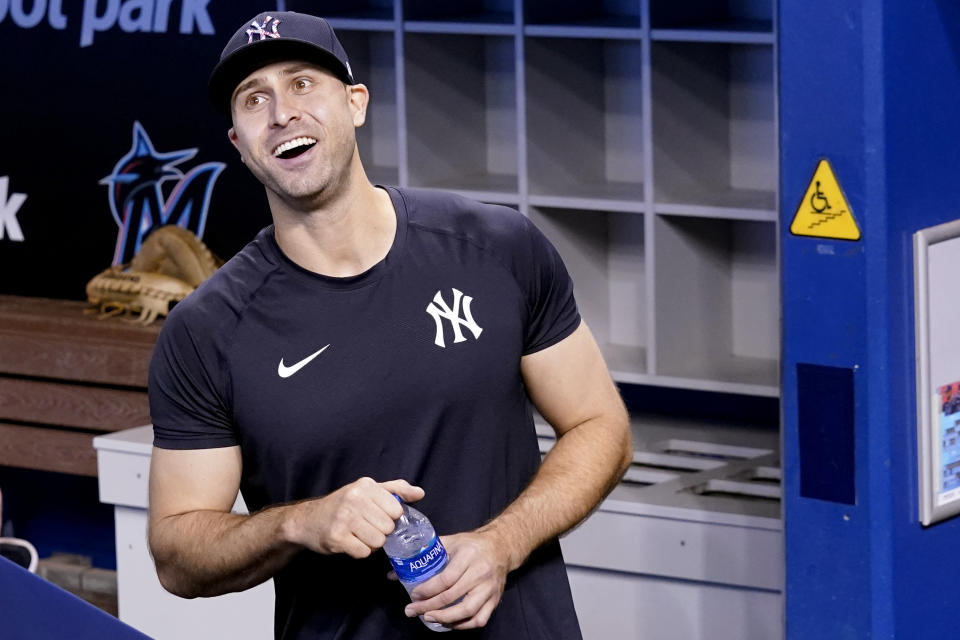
x=65, y=377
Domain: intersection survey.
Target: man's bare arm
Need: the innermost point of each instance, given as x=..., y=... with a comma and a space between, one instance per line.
x=201, y=549
x=571, y=387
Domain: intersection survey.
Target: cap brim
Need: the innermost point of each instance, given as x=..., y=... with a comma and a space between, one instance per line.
x=231, y=71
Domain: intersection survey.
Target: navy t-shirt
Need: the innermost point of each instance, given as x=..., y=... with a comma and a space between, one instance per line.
x=409, y=370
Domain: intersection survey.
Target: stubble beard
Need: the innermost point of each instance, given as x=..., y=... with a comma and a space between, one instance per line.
x=316, y=184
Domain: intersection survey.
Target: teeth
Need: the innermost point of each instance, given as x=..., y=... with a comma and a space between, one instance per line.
x=293, y=144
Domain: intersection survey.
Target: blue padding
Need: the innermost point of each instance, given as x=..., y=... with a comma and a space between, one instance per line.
x=826, y=431
x=33, y=609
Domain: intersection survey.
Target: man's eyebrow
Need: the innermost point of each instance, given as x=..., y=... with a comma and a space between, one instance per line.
x=295, y=68
x=249, y=84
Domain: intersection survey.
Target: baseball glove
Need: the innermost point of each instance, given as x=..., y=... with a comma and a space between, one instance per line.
x=170, y=264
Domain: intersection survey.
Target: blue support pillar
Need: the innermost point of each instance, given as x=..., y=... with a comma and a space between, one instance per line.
x=874, y=87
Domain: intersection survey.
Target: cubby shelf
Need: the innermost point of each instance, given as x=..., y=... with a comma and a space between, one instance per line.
x=713, y=125
x=605, y=253
x=584, y=118
x=716, y=300
x=461, y=112
x=639, y=135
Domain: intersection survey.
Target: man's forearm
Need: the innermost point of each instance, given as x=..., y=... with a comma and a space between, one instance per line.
x=584, y=465
x=209, y=553
x=205, y=552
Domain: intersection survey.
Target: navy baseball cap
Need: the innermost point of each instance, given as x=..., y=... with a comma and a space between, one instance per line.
x=275, y=36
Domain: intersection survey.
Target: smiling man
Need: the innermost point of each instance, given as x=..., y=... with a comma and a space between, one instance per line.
x=371, y=341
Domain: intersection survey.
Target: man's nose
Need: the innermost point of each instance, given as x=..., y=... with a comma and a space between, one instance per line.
x=285, y=110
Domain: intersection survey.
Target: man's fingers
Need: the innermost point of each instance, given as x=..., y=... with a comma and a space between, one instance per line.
x=479, y=620
x=369, y=535
x=440, y=583
x=459, y=612
x=440, y=591
x=355, y=548
x=437, y=602
x=381, y=519
x=404, y=489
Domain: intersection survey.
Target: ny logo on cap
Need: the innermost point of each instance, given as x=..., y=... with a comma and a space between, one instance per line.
x=261, y=30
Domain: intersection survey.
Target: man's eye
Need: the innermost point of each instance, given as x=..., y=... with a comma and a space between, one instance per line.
x=254, y=100
x=301, y=83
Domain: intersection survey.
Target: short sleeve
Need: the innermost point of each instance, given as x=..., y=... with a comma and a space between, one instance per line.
x=186, y=390
x=553, y=313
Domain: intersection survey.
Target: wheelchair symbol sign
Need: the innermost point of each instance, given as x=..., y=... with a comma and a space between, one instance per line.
x=824, y=211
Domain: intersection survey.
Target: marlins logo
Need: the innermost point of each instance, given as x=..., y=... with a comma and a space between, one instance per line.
x=137, y=201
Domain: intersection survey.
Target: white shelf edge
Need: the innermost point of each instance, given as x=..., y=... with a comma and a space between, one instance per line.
x=599, y=33
x=708, y=211
x=361, y=24
x=697, y=384
x=620, y=500
x=135, y=440
x=589, y=204
x=719, y=36
x=463, y=28
x=648, y=476
x=741, y=488
x=674, y=461
x=495, y=197
x=695, y=447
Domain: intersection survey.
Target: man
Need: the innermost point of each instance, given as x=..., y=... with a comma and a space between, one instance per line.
x=411, y=329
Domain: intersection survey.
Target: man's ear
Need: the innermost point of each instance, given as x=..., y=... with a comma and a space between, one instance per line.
x=232, y=135
x=359, y=97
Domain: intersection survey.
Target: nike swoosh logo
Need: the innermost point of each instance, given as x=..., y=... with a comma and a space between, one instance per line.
x=285, y=371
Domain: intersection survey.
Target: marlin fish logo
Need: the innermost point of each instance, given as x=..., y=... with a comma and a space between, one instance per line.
x=136, y=199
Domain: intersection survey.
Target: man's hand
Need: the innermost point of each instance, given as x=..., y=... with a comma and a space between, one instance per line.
x=354, y=519
x=476, y=572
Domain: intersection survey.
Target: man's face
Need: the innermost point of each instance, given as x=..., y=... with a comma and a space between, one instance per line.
x=293, y=124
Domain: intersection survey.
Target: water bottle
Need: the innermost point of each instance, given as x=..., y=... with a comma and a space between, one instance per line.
x=415, y=552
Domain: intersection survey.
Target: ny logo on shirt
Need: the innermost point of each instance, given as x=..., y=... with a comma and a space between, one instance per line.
x=439, y=310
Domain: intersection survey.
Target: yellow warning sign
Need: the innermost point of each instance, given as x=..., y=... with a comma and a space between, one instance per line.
x=824, y=212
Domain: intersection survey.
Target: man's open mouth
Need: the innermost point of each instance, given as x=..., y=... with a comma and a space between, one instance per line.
x=293, y=148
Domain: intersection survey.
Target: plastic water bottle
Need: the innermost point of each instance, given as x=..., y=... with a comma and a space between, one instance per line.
x=415, y=552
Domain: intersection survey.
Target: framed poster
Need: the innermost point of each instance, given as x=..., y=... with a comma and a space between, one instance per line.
x=937, y=316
